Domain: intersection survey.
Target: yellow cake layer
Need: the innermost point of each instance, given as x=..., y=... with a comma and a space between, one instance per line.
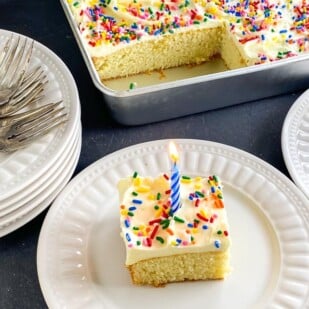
x=190, y=47
x=181, y=267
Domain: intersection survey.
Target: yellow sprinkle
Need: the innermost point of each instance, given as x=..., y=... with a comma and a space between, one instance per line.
x=142, y=189
x=233, y=20
x=194, y=230
x=203, y=213
x=275, y=39
x=198, y=186
x=151, y=197
x=124, y=212
x=158, y=213
x=137, y=182
x=173, y=243
x=212, y=10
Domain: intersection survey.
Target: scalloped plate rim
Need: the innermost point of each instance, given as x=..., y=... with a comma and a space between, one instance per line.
x=52, y=300
x=292, y=161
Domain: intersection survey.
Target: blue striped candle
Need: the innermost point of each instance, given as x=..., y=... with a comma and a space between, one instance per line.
x=175, y=180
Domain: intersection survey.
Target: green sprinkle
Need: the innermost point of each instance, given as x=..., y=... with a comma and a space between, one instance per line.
x=76, y=3
x=135, y=228
x=216, y=179
x=135, y=174
x=186, y=177
x=134, y=193
x=219, y=232
x=165, y=223
x=130, y=213
x=160, y=239
x=220, y=196
x=196, y=22
x=132, y=85
x=156, y=207
x=158, y=195
x=177, y=219
x=200, y=194
x=138, y=242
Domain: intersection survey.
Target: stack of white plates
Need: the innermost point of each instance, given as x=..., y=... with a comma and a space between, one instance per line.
x=32, y=177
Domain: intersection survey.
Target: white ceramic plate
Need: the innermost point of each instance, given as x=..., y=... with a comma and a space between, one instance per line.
x=22, y=168
x=295, y=142
x=33, y=208
x=20, y=198
x=81, y=256
x=55, y=174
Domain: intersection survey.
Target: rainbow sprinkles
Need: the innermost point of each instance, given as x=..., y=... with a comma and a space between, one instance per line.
x=243, y=32
x=157, y=238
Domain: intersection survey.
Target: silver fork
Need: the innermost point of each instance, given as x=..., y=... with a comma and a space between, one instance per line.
x=14, y=60
x=30, y=91
x=19, y=130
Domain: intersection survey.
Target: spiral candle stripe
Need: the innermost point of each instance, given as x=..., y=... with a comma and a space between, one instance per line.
x=175, y=189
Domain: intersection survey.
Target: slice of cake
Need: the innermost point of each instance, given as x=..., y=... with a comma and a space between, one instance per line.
x=161, y=247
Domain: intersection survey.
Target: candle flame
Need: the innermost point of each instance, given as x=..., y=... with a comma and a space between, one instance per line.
x=173, y=152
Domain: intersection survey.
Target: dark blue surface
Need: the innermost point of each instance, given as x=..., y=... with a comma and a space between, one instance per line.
x=254, y=127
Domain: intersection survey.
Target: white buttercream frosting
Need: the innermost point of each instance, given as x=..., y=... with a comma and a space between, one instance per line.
x=150, y=230
x=263, y=30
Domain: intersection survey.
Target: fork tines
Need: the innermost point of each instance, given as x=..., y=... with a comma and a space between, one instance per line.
x=29, y=92
x=21, y=129
x=21, y=89
x=40, y=121
x=15, y=58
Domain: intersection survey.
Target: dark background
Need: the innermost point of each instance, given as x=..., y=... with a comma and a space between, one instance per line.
x=254, y=127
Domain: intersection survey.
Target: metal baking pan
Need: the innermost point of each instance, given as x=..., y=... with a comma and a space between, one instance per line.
x=187, y=90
